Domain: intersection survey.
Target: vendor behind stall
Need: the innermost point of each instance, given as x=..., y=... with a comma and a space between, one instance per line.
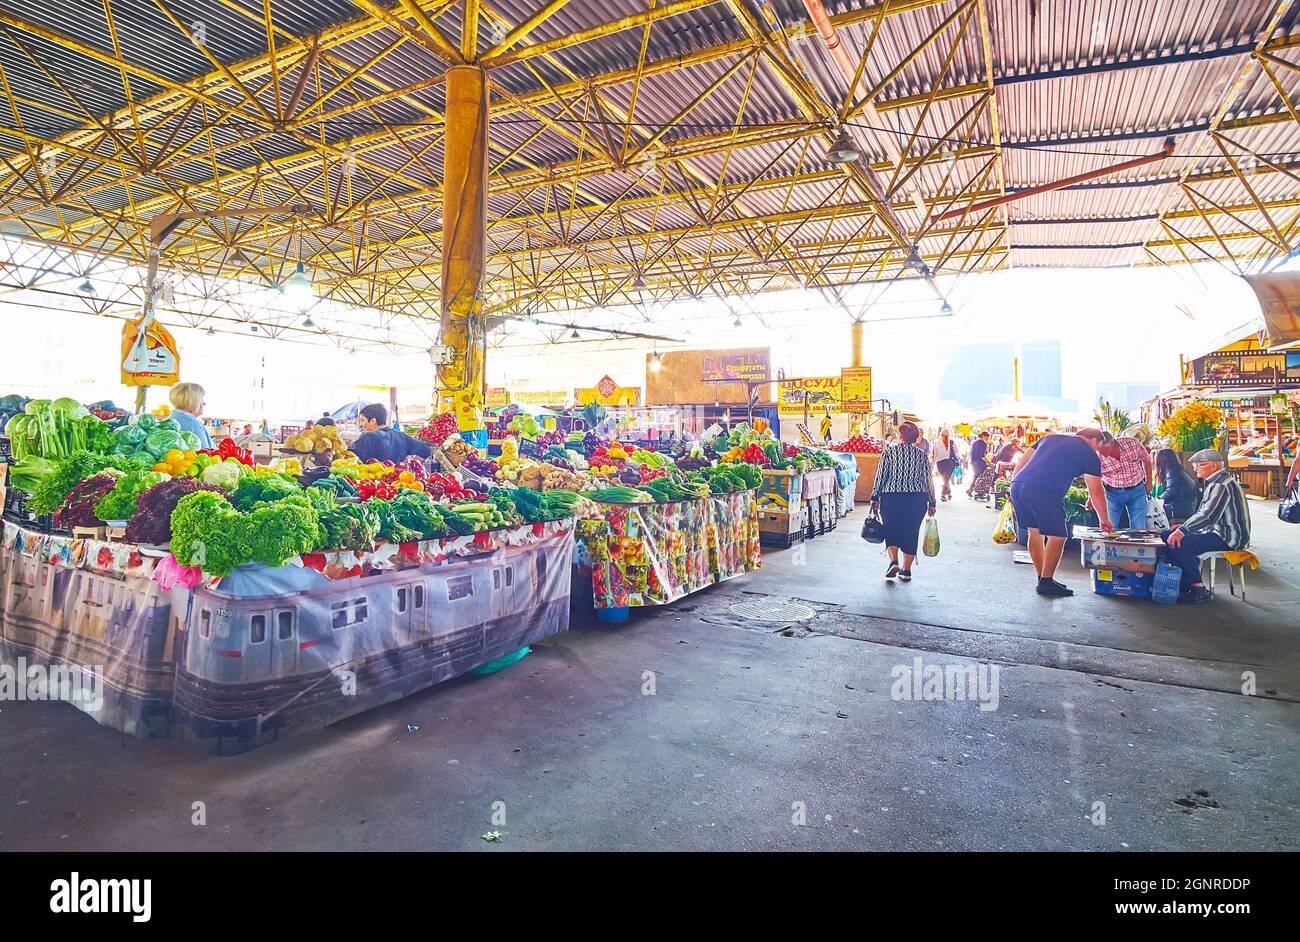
x=379, y=442
x=187, y=406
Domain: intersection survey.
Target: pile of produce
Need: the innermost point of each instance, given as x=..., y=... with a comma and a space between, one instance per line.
x=860, y=445
x=54, y=429
x=151, y=522
x=50, y=492
x=150, y=438
x=437, y=429
x=319, y=439
x=11, y=406
x=121, y=502
x=78, y=509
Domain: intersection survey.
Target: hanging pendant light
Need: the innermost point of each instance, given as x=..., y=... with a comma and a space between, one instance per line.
x=843, y=151
x=297, y=288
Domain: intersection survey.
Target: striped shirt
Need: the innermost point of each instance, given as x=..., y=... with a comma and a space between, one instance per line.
x=904, y=469
x=1128, y=470
x=1223, y=511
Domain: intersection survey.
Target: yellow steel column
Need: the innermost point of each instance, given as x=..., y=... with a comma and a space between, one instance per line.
x=464, y=243
x=855, y=339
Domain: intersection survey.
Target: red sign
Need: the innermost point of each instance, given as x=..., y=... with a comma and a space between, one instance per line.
x=607, y=387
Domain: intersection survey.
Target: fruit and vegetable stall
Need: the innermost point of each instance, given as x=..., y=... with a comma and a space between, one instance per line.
x=231, y=601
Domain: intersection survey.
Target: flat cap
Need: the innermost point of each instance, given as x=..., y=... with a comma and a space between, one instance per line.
x=1208, y=456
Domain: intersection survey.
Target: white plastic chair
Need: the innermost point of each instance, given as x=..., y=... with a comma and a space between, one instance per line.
x=1212, y=561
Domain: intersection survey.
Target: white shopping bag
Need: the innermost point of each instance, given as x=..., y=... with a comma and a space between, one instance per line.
x=1156, y=519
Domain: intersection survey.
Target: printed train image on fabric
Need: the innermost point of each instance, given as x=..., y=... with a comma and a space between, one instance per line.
x=272, y=650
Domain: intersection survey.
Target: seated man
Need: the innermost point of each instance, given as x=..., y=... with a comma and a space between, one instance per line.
x=1222, y=522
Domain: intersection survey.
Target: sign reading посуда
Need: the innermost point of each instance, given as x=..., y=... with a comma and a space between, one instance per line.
x=817, y=392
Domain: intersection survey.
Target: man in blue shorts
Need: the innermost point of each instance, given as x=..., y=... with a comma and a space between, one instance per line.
x=1038, y=488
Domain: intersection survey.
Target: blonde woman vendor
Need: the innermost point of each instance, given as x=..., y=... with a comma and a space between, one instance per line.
x=187, y=406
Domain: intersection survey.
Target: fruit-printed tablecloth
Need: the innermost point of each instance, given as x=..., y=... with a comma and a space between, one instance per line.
x=651, y=554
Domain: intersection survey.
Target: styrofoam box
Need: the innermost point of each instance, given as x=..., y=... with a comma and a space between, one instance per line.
x=1134, y=558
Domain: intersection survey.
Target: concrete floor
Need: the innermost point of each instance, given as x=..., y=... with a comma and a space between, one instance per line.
x=1130, y=704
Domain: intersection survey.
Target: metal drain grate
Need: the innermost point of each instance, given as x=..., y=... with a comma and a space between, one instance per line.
x=773, y=610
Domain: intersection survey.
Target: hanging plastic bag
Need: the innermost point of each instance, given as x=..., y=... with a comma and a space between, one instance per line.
x=930, y=542
x=956, y=475
x=1156, y=518
x=1005, y=531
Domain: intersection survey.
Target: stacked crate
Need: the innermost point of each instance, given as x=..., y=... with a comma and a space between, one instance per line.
x=782, y=517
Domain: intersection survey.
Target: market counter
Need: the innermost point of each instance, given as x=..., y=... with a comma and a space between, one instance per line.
x=237, y=661
x=652, y=554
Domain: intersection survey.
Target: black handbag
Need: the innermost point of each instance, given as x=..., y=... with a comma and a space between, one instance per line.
x=873, y=529
x=1288, y=511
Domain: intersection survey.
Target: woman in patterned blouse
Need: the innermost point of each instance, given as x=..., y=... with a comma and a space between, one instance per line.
x=902, y=494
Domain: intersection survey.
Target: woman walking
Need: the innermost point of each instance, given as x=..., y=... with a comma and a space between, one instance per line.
x=1181, y=494
x=944, y=452
x=902, y=493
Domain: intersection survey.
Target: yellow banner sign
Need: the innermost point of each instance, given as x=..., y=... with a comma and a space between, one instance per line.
x=817, y=392
x=539, y=397
x=855, y=388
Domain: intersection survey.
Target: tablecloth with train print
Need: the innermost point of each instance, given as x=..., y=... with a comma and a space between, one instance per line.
x=152, y=650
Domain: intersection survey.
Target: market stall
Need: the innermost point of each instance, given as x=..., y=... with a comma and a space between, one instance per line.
x=653, y=554
x=235, y=661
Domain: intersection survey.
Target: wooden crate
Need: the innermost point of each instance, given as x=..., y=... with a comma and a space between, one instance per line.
x=867, y=465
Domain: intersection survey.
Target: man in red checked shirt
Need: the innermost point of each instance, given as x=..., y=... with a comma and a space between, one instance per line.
x=1126, y=476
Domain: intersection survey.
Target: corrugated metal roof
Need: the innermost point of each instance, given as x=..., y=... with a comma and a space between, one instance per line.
x=741, y=180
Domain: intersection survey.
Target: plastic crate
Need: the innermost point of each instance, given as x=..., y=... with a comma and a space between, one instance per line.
x=1117, y=582
x=1167, y=584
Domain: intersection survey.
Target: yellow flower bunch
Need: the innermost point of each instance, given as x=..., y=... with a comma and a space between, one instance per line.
x=1195, y=418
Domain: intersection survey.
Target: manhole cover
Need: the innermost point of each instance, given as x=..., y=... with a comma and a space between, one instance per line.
x=773, y=610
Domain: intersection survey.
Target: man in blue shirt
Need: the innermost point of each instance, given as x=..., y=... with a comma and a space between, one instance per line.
x=1038, y=487
x=381, y=443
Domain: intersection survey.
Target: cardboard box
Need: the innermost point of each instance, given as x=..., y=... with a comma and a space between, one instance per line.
x=1096, y=554
x=781, y=490
x=1133, y=585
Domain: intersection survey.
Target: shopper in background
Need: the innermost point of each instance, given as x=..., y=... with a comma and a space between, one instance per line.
x=944, y=453
x=325, y=419
x=187, y=405
x=1181, y=494
x=1221, y=523
x=1127, y=480
x=1007, y=456
x=1038, y=487
x=1294, y=477
x=981, y=471
x=379, y=442
x=902, y=494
